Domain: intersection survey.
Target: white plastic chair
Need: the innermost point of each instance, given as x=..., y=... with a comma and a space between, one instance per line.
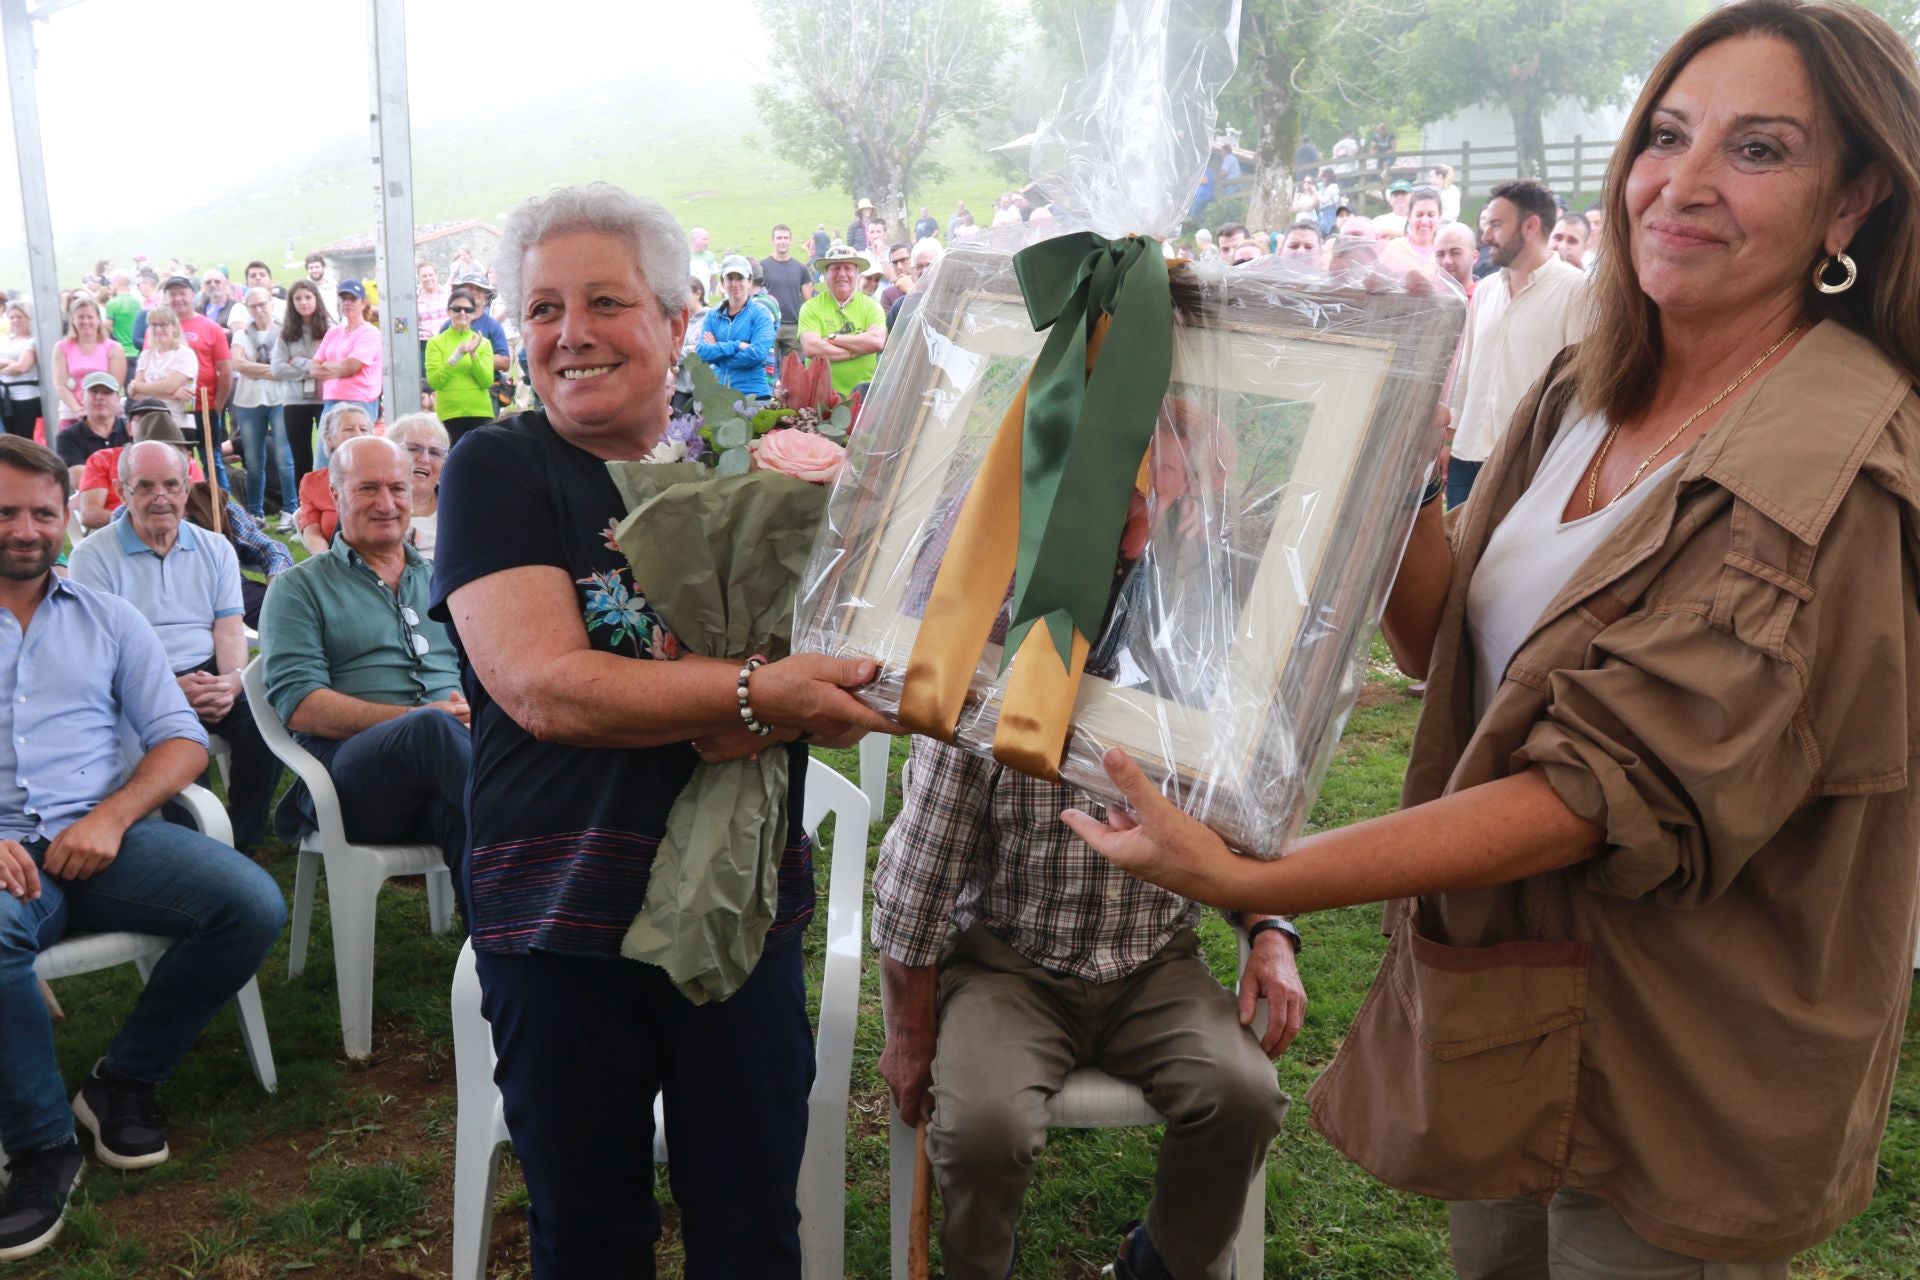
x=355, y=874
x=90, y=952
x=482, y=1123
x=875, y=758
x=1089, y=1099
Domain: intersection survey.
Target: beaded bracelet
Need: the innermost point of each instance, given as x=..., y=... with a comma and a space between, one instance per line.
x=740, y=692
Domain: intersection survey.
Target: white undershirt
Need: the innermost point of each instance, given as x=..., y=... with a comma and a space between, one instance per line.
x=1532, y=555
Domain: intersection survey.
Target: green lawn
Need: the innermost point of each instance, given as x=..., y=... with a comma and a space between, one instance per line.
x=347, y=1171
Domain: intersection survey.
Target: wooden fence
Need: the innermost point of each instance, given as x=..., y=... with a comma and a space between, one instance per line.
x=1574, y=168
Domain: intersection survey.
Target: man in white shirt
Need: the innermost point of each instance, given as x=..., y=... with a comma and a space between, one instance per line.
x=1519, y=319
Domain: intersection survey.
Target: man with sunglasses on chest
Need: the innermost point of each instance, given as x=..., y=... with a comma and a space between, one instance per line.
x=362, y=676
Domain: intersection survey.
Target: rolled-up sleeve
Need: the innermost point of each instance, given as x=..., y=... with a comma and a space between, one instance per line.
x=1679, y=741
x=944, y=819
x=292, y=648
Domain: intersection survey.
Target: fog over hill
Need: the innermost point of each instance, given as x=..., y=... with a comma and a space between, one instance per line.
x=258, y=143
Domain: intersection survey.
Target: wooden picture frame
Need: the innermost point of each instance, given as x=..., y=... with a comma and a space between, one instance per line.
x=1241, y=621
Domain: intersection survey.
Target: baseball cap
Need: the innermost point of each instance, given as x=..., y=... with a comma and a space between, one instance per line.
x=735, y=265
x=1399, y=187
x=101, y=378
x=183, y=281
x=352, y=289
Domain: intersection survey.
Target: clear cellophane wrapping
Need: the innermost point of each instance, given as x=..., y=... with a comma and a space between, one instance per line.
x=1293, y=443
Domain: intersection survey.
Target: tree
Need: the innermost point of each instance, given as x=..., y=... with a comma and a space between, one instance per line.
x=1525, y=55
x=1299, y=54
x=862, y=90
x=1296, y=56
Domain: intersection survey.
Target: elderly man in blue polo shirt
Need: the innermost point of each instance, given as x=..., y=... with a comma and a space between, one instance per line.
x=186, y=583
x=364, y=678
x=80, y=851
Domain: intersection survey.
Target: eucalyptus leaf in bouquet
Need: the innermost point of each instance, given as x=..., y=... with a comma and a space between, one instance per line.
x=721, y=556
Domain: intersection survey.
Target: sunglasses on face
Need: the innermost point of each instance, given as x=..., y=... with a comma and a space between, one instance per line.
x=459, y=309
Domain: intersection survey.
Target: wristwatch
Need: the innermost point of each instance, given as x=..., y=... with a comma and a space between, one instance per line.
x=1274, y=923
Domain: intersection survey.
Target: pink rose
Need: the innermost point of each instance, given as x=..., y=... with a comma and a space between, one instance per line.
x=804, y=455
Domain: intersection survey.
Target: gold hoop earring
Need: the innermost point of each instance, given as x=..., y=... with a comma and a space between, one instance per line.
x=1846, y=264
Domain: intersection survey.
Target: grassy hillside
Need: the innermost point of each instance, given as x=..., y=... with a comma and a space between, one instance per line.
x=699, y=152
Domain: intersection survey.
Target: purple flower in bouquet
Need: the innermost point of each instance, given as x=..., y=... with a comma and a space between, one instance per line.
x=685, y=428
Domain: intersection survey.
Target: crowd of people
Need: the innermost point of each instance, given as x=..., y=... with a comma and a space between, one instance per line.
x=1653, y=889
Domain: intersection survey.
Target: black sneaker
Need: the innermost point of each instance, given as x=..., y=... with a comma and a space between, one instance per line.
x=1138, y=1259
x=34, y=1203
x=127, y=1130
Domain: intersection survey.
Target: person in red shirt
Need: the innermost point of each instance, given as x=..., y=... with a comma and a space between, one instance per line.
x=209, y=342
x=97, y=496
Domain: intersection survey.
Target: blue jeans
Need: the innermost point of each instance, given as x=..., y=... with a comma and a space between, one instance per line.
x=168, y=880
x=320, y=440
x=584, y=1044
x=1460, y=478
x=261, y=427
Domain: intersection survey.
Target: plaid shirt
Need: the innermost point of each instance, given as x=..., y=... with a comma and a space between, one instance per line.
x=256, y=548
x=978, y=843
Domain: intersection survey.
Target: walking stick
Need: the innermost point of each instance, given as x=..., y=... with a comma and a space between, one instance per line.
x=920, y=1221
x=214, y=498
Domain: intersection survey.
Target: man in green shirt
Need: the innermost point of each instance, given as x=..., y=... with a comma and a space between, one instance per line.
x=841, y=324
x=365, y=679
x=122, y=309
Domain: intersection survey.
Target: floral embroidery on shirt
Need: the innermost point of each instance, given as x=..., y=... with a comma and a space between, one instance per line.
x=620, y=610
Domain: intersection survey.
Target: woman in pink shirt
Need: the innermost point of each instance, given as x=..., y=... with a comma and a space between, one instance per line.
x=347, y=361
x=90, y=349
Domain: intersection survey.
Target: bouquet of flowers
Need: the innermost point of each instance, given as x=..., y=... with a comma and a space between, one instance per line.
x=720, y=521
x=726, y=432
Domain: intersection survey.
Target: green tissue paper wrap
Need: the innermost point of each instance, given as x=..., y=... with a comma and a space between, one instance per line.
x=720, y=560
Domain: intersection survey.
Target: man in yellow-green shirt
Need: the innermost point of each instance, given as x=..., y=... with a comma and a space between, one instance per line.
x=841, y=324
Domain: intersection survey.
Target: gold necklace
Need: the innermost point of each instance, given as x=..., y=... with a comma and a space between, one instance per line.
x=1593, y=480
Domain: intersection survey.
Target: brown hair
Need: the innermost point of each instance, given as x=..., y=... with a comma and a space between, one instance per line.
x=313, y=326
x=1865, y=80
x=22, y=454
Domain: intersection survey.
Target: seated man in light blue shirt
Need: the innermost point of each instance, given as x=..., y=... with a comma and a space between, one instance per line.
x=364, y=678
x=81, y=852
x=186, y=582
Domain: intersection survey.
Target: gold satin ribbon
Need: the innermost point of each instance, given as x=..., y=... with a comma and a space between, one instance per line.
x=967, y=596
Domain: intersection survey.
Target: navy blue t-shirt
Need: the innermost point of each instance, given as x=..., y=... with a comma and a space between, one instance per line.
x=562, y=838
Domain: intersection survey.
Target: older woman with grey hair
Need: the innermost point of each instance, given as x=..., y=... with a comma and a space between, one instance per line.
x=587, y=721
x=319, y=517
x=426, y=442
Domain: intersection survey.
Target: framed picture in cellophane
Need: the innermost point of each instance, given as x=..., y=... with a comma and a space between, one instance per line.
x=1295, y=435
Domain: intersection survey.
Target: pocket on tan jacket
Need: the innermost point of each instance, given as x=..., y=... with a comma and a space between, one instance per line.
x=1459, y=1076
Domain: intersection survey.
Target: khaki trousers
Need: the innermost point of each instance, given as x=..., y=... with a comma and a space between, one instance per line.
x=1576, y=1237
x=1010, y=1032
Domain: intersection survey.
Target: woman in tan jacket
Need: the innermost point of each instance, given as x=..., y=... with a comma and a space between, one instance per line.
x=1655, y=874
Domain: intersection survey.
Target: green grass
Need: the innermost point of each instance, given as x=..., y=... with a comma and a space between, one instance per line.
x=358, y=1159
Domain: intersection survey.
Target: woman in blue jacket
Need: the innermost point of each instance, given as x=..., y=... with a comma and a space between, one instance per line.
x=736, y=338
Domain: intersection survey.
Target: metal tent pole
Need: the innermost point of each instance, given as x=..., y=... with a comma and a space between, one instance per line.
x=16, y=25
x=393, y=247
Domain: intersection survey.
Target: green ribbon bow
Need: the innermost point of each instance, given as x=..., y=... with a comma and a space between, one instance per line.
x=1085, y=431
